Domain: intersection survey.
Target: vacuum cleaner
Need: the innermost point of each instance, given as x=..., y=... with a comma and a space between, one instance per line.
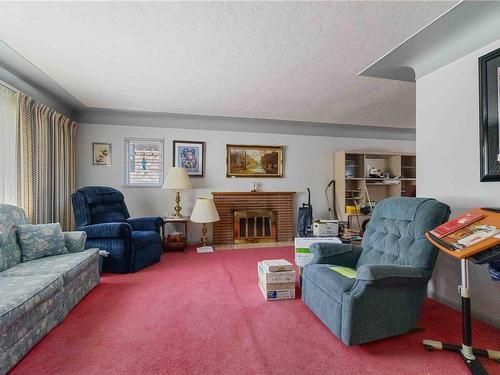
x=305, y=218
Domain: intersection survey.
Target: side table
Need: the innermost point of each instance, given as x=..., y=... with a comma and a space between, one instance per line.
x=171, y=243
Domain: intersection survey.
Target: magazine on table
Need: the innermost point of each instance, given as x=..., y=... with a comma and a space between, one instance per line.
x=456, y=224
x=470, y=235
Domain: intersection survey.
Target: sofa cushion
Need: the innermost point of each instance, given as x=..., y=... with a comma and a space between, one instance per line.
x=67, y=265
x=331, y=282
x=23, y=295
x=10, y=252
x=75, y=241
x=145, y=238
x=41, y=240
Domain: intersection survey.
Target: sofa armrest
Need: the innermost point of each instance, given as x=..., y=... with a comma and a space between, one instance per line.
x=75, y=241
x=335, y=253
x=146, y=223
x=108, y=230
x=389, y=274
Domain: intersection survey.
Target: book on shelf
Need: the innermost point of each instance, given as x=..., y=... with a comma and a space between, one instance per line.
x=456, y=224
x=469, y=235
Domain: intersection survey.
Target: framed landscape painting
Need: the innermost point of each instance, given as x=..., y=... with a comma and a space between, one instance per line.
x=190, y=155
x=254, y=161
x=489, y=115
x=101, y=153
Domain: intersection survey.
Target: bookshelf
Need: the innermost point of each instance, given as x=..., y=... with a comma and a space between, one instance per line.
x=352, y=183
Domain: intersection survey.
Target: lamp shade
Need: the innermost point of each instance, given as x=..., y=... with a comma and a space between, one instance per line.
x=204, y=211
x=177, y=178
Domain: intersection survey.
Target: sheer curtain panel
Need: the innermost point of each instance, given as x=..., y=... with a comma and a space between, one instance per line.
x=8, y=141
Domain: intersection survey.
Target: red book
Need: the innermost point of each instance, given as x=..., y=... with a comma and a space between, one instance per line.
x=456, y=224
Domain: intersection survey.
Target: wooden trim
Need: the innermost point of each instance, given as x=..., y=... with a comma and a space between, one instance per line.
x=252, y=193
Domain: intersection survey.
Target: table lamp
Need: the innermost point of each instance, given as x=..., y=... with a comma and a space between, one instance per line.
x=177, y=178
x=204, y=212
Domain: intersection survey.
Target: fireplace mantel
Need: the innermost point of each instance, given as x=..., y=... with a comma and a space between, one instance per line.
x=256, y=193
x=281, y=203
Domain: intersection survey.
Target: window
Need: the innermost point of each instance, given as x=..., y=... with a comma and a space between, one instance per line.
x=8, y=145
x=144, y=162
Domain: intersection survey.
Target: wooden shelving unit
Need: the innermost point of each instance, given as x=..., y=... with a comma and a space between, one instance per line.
x=352, y=183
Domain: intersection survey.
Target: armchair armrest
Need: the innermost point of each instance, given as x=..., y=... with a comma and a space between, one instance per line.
x=335, y=253
x=390, y=274
x=75, y=241
x=107, y=230
x=146, y=223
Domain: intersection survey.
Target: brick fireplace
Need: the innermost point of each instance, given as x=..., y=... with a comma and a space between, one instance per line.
x=227, y=203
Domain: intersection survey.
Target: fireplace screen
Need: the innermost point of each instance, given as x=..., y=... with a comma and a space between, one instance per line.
x=254, y=226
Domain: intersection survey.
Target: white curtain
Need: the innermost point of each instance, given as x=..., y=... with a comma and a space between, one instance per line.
x=8, y=134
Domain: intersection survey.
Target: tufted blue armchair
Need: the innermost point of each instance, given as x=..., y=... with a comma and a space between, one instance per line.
x=383, y=297
x=132, y=243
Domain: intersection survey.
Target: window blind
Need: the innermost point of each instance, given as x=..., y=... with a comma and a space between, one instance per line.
x=144, y=162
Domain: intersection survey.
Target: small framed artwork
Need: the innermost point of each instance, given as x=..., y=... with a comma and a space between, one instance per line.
x=101, y=153
x=190, y=155
x=489, y=114
x=254, y=161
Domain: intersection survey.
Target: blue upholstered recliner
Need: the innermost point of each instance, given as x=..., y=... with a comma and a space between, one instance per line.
x=393, y=265
x=132, y=243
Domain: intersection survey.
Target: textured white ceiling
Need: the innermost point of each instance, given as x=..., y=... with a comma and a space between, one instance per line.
x=289, y=61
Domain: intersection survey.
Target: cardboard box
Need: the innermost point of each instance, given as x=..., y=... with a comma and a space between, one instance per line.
x=274, y=265
x=276, y=285
x=326, y=228
x=276, y=295
x=302, y=253
x=275, y=277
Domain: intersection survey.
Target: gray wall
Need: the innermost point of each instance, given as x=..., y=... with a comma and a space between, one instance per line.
x=448, y=168
x=308, y=162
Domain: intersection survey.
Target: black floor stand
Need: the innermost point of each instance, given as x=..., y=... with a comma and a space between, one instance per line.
x=466, y=351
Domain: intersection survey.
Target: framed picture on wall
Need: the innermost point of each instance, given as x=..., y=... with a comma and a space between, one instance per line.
x=489, y=115
x=101, y=153
x=190, y=155
x=254, y=161
x=143, y=162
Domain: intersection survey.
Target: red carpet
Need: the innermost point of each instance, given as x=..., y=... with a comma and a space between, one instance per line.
x=204, y=314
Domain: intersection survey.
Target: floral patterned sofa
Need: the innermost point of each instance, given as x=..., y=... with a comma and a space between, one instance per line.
x=36, y=295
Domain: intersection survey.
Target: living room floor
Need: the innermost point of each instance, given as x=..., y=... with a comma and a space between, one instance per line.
x=204, y=314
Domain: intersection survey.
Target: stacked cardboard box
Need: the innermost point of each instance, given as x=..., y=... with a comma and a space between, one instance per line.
x=276, y=279
x=302, y=253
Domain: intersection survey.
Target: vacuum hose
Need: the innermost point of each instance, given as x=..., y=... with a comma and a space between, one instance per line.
x=333, y=216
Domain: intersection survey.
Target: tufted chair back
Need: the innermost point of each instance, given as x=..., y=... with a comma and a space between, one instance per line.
x=396, y=232
x=98, y=204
